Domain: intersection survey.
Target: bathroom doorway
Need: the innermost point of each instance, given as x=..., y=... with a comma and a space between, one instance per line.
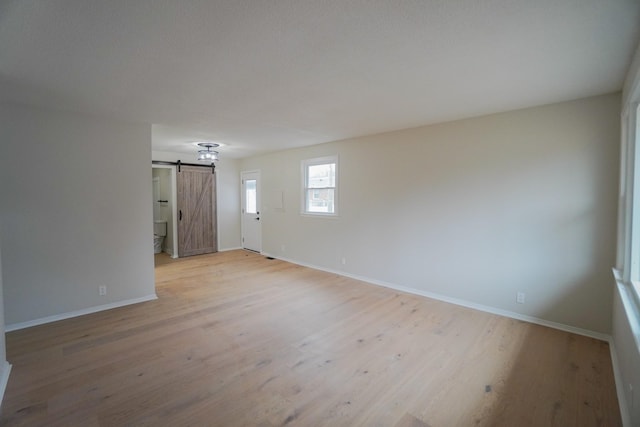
x=164, y=207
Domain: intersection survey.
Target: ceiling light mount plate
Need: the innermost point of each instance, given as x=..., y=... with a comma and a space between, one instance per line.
x=208, y=145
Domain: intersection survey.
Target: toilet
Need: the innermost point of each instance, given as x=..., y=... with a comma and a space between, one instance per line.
x=159, y=231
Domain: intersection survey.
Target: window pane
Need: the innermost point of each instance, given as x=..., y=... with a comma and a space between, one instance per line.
x=250, y=196
x=319, y=176
x=320, y=200
x=319, y=191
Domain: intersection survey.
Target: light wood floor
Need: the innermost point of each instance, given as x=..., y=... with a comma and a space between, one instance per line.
x=239, y=340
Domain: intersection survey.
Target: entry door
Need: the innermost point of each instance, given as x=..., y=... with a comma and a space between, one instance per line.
x=197, y=224
x=251, y=223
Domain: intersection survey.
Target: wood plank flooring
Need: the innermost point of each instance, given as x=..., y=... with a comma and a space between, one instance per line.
x=236, y=339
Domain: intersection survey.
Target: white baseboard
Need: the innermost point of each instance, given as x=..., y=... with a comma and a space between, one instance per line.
x=229, y=249
x=76, y=313
x=4, y=378
x=456, y=301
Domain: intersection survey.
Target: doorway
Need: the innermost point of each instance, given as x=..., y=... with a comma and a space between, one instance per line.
x=251, y=224
x=164, y=205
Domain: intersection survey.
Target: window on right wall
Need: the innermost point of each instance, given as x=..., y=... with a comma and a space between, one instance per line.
x=320, y=186
x=628, y=251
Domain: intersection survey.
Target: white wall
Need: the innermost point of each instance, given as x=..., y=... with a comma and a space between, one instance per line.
x=228, y=195
x=475, y=210
x=76, y=212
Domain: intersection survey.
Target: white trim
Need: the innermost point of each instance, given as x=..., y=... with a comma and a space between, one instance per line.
x=320, y=215
x=174, y=210
x=230, y=249
x=243, y=201
x=631, y=270
x=76, y=313
x=174, y=203
x=631, y=318
x=631, y=312
x=4, y=379
x=456, y=301
x=631, y=87
x=620, y=391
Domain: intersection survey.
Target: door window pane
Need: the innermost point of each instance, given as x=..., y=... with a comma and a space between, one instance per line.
x=250, y=194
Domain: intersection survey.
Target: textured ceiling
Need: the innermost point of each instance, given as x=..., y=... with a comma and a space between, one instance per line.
x=265, y=75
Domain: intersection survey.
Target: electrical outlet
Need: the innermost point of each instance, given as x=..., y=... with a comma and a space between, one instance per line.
x=520, y=297
x=344, y=261
x=102, y=290
x=282, y=248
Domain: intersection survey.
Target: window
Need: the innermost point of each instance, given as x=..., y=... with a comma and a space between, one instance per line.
x=628, y=251
x=319, y=186
x=628, y=257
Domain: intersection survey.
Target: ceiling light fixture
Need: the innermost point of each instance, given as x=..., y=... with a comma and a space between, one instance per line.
x=208, y=154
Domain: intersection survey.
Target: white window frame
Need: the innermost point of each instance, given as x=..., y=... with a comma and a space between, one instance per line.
x=628, y=256
x=304, y=166
x=627, y=268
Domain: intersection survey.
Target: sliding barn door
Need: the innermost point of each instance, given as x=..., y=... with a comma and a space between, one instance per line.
x=197, y=224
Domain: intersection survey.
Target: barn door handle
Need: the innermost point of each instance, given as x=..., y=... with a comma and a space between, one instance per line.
x=180, y=214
